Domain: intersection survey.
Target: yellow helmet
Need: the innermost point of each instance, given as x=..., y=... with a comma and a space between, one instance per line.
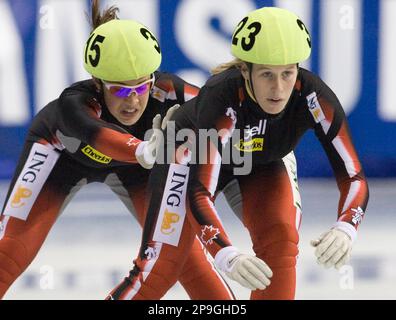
x=271, y=36
x=121, y=50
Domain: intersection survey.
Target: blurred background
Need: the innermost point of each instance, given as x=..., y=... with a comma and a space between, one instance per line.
x=93, y=243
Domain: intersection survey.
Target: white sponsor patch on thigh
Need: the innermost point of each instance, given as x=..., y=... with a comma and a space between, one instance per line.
x=3, y=226
x=35, y=172
x=173, y=206
x=291, y=166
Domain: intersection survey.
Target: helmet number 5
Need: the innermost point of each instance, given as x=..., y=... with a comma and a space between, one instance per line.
x=93, y=47
x=255, y=27
x=146, y=34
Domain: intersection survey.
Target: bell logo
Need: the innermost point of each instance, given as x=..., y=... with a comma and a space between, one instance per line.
x=250, y=132
x=169, y=218
x=20, y=194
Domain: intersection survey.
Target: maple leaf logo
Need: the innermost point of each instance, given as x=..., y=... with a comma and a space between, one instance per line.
x=132, y=142
x=232, y=114
x=151, y=253
x=209, y=234
x=357, y=217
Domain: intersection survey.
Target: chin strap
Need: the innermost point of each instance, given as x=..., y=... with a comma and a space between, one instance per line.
x=249, y=90
x=249, y=83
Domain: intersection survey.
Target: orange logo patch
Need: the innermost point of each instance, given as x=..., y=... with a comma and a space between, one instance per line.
x=169, y=218
x=20, y=194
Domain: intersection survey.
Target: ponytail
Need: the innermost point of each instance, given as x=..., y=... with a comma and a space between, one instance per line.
x=98, y=18
x=236, y=63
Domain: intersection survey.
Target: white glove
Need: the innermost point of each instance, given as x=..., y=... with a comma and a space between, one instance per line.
x=333, y=248
x=146, y=152
x=249, y=271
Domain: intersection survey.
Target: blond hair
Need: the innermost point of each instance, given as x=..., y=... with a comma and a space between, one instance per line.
x=236, y=63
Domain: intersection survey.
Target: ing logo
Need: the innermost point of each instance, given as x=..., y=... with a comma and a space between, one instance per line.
x=167, y=221
x=21, y=193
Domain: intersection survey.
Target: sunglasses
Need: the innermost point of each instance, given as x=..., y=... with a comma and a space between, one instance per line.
x=123, y=91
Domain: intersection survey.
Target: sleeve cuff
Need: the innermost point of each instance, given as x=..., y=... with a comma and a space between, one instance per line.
x=223, y=256
x=347, y=228
x=143, y=157
x=140, y=149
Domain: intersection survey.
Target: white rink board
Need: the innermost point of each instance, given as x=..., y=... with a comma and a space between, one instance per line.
x=91, y=247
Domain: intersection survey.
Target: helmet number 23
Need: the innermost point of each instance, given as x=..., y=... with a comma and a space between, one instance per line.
x=93, y=47
x=147, y=34
x=254, y=27
x=304, y=28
